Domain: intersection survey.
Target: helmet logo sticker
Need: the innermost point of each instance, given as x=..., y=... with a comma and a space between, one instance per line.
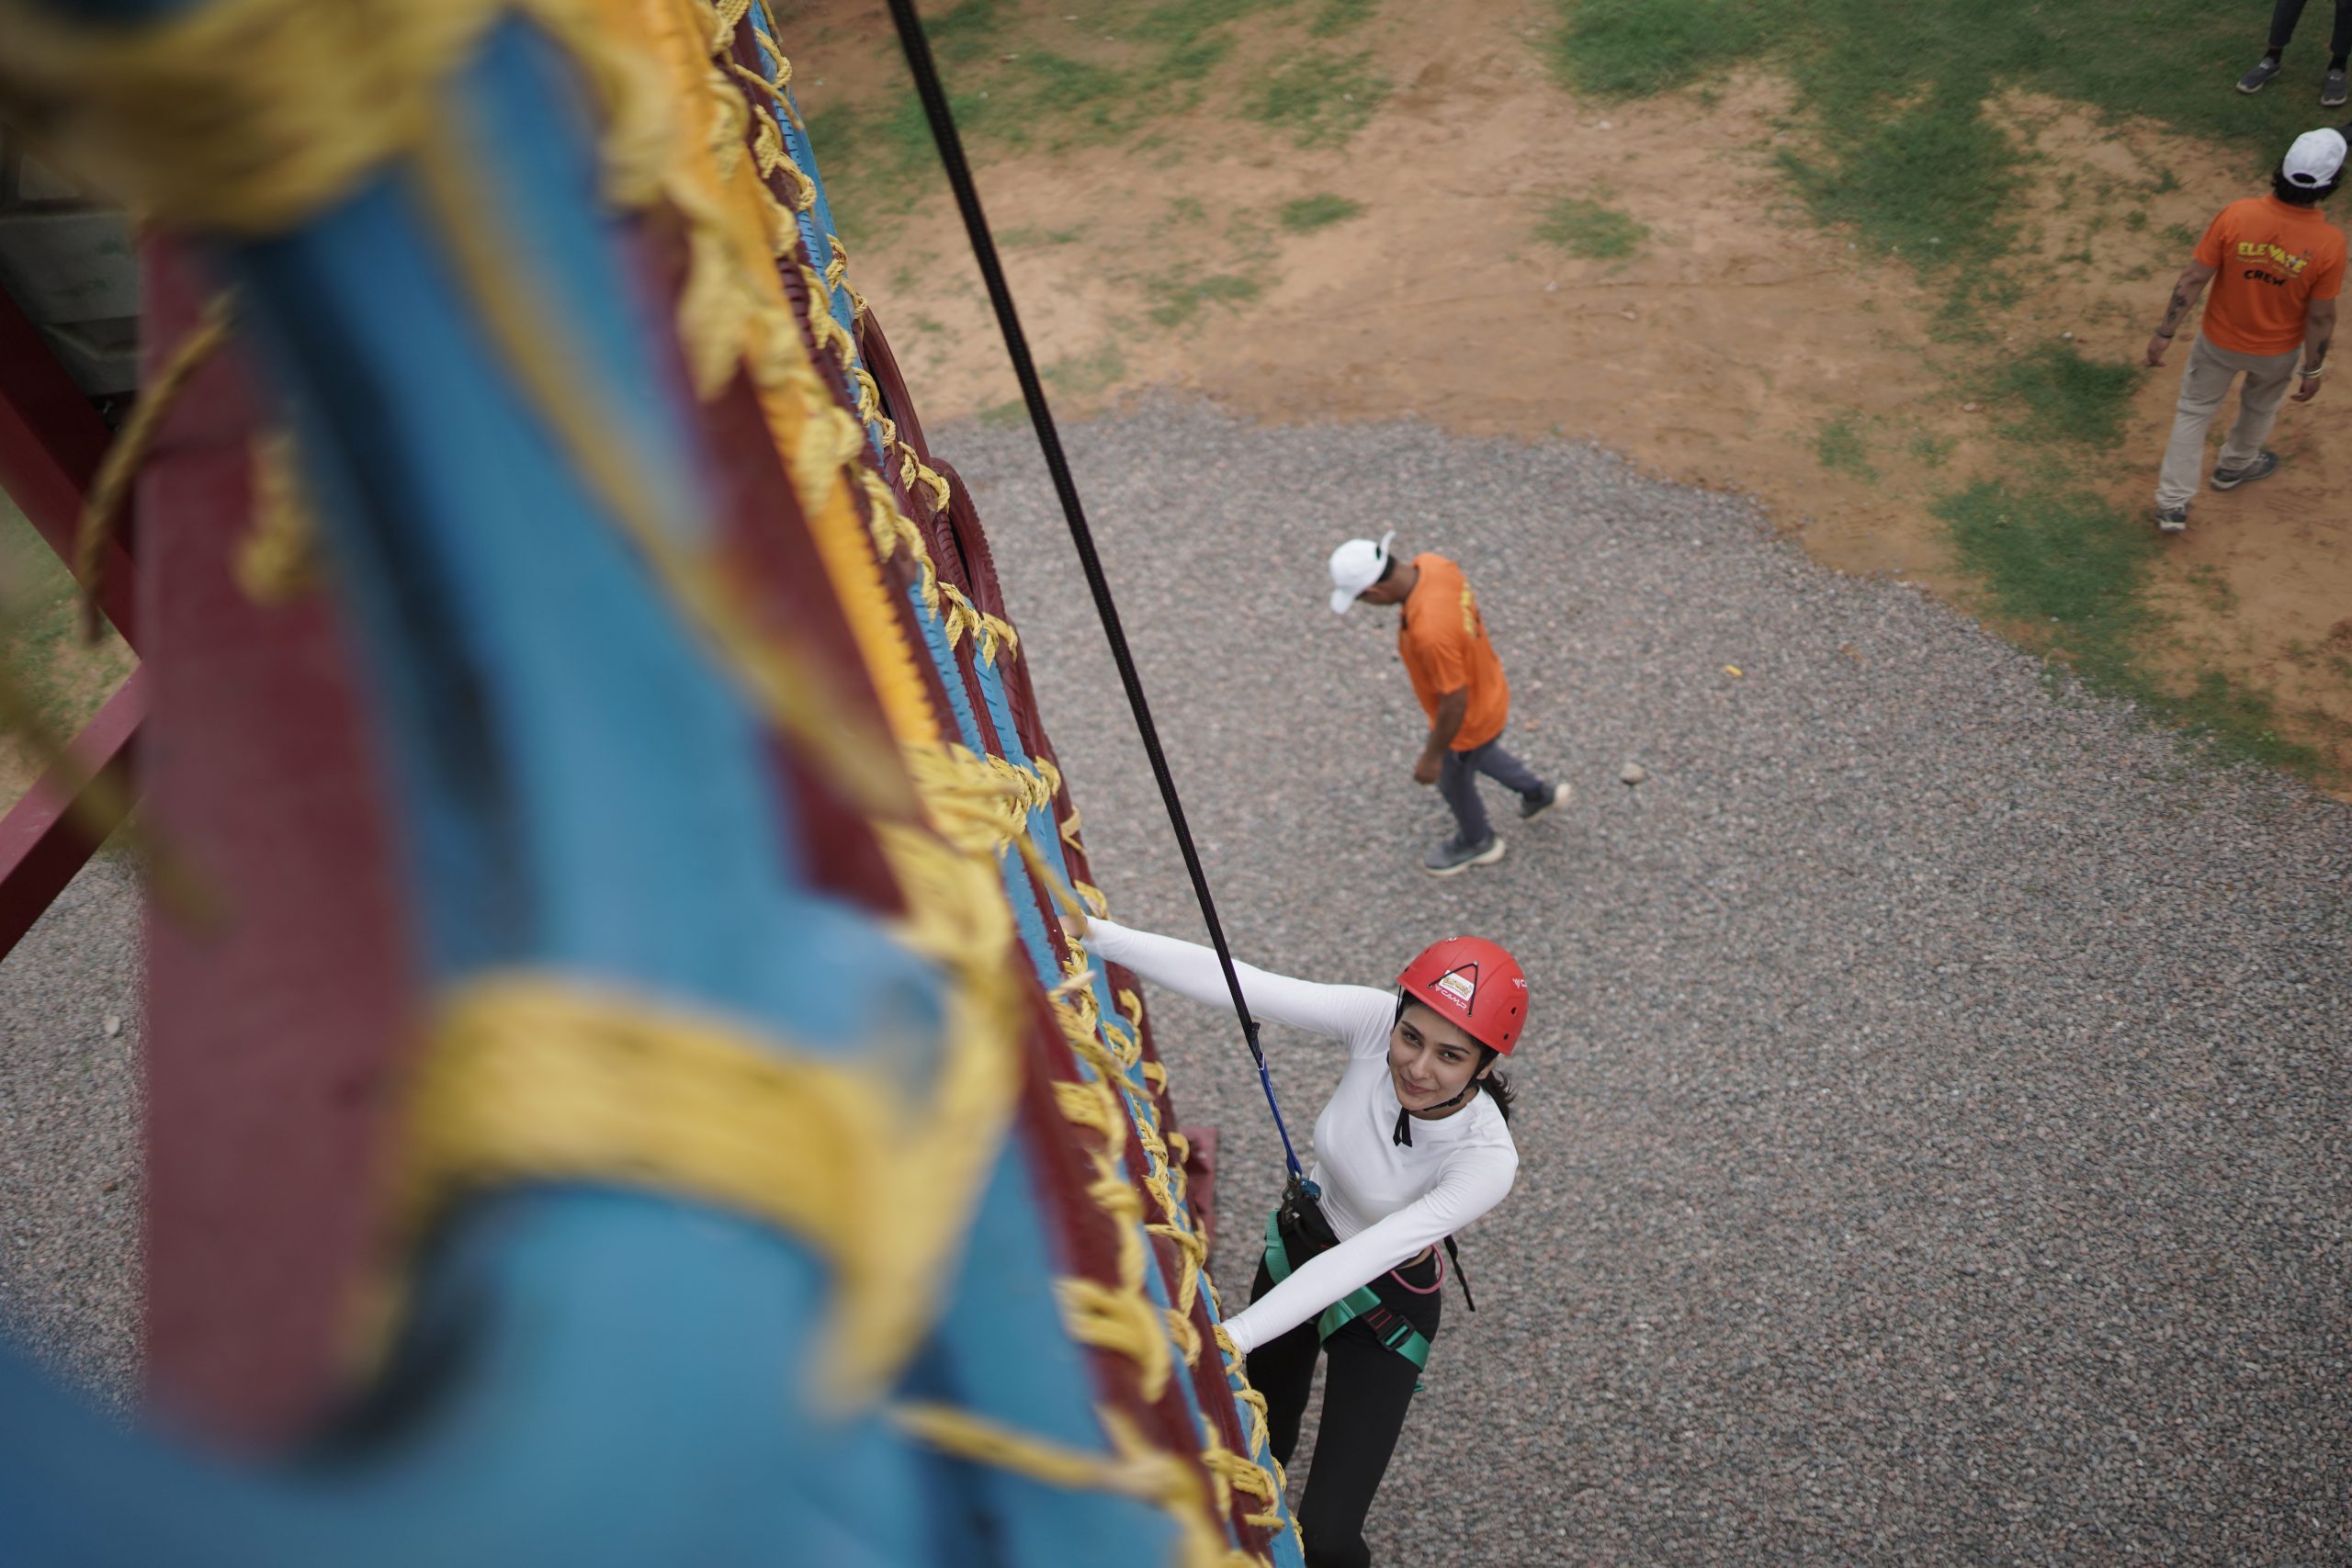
x=1460, y=987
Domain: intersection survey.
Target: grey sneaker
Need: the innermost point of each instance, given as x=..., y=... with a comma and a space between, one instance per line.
x=2331, y=90
x=2172, y=519
x=1453, y=857
x=2259, y=77
x=2262, y=468
x=1543, y=800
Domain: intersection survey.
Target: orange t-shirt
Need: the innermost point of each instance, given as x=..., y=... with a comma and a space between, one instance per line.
x=2269, y=262
x=1442, y=639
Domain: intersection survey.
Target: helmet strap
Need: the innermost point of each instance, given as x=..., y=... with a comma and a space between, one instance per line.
x=1403, y=1135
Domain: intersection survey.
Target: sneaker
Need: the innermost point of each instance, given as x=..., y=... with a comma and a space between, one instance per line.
x=2259, y=77
x=2172, y=519
x=2331, y=90
x=1543, y=800
x=1453, y=857
x=2262, y=468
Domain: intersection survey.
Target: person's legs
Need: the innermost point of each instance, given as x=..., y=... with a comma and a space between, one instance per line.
x=1457, y=781
x=2283, y=18
x=2203, y=385
x=1365, y=1394
x=2268, y=377
x=1283, y=1370
x=2339, y=37
x=1505, y=769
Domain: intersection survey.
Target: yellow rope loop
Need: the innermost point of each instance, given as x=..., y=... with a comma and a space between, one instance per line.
x=764, y=27
x=726, y=17
x=1094, y=898
x=837, y=268
x=1239, y=1473
x=1130, y=1004
x=1156, y=1075
x=973, y=805
x=1070, y=832
x=767, y=142
x=960, y=618
x=754, y=79
x=869, y=395
x=1123, y=1322
x=914, y=471
x=531, y=1078
x=276, y=562
x=891, y=528
x=975, y=1438
x=1181, y=1330
x=108, y=488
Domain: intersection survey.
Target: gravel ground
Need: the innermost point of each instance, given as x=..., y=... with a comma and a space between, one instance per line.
x=70, y=1188
x=1933, y=1119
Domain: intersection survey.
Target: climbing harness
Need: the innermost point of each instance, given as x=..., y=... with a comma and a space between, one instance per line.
x=1033, y=393
x=1306, y=1222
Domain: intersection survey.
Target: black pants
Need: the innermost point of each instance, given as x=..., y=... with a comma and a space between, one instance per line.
x=1366, y=1392
x=2288, y=12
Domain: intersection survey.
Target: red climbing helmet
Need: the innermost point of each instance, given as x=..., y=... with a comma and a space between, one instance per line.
x=1474, y=983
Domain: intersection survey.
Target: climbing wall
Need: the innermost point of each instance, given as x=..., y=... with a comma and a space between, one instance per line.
x=622, y=1080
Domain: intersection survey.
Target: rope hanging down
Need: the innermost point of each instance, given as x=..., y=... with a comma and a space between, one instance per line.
x=1033, y=392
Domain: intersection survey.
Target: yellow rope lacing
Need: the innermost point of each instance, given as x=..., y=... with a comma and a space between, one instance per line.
x=278, y=560
x=110, y=487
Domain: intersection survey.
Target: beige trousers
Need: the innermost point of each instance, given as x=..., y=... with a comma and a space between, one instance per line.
x=2203, y=386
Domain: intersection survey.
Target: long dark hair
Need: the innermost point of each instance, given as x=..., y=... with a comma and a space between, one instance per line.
x=1495, y=1085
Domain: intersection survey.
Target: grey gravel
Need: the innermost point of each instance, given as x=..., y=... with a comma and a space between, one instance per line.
x=1933, y=1117
x=71, y=1189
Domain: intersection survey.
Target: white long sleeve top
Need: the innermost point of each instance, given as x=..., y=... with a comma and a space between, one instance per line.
x=1385, y=1202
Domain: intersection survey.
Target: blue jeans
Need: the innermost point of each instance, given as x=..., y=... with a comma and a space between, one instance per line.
x=1457, y=780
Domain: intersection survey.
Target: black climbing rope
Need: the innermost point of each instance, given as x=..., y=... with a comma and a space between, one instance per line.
x=1033, y=392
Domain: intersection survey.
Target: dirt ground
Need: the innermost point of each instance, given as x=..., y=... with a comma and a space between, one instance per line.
x=1715, y=355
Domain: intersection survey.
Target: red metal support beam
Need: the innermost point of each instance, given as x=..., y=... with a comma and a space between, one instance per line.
x=52, y=832
x=50, y=441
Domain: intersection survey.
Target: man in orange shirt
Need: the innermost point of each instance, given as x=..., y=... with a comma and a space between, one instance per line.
x=1442, y=639
x=2276, y=267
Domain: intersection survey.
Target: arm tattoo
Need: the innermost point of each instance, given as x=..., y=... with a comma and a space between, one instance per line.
x=2174, y=311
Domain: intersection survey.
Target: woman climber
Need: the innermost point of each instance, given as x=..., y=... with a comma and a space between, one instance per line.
x=1411, y=1147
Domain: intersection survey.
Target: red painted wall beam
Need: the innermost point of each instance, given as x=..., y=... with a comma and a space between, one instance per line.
x=50, y=441
x=52, y=832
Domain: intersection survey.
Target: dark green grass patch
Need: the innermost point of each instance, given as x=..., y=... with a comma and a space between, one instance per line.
x=1317, y=100
x=1177, y=298
x=1319, y=211
x=2071, y=569
x=1630, y=48
x=1839, y=446
x=2065, y=397
x=1588, y=229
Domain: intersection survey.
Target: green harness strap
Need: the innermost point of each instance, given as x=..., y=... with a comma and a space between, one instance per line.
x=1405, y=1340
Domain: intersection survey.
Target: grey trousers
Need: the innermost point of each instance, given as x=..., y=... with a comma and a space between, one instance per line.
x=2203, y=386
x=1457, y=780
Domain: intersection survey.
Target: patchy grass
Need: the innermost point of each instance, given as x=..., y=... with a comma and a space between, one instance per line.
x=1089, y=376
x=1894, y=93
x=1586, y=227
x=1309, y=213
x=1839, y=446
x=1318, y=100
x=2072, y=570
x=1627, y=48
x=2065, y=397
x=1177, y=298
x=66, y=680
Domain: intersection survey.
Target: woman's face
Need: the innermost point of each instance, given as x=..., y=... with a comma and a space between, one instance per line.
x=1429, y=1059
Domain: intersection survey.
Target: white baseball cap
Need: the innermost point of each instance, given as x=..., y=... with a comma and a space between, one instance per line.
x=2315, y=158
x=1356, y=565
